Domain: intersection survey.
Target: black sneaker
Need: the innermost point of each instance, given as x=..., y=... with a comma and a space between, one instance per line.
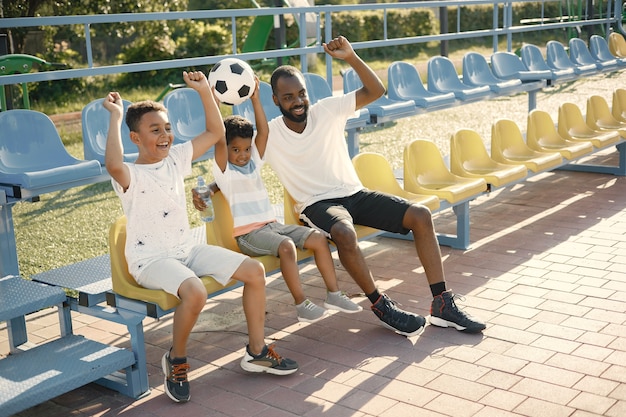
x=400, y=321
x=445, y=313
x=176, y=383
x=268, y=361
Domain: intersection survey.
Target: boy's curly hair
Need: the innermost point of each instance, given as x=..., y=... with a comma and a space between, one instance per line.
x=237, y=126
x=136, y=111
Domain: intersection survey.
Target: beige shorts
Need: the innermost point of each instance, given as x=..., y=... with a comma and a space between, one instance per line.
x=169, y=273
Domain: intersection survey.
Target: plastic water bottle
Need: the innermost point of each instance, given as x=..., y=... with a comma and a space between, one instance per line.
x=203, y=190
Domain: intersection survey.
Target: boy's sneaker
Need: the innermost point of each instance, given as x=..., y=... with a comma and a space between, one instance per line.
x=340, y=301
x=445, y=313
x=400, y=321
x=309, y=312
x=268, y=361
x=176, y=383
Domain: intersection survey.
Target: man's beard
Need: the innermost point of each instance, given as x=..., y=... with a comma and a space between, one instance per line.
x=290, y=116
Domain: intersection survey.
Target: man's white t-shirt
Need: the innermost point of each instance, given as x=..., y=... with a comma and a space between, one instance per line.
x=315, y=165
x=155, y=206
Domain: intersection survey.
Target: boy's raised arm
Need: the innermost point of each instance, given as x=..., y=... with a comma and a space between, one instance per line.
x=114, y=151
x=214, y=123
x=262, y=128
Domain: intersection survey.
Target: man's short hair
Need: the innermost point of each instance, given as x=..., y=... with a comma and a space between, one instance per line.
x=283, y=71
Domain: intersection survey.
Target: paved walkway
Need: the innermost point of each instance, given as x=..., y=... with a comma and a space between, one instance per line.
x=547, y=271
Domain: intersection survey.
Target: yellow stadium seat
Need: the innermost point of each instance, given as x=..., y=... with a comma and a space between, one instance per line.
x=125, y=285
x=542, y=136
x=508, y=147
x=617, y=45
x=572, y=126
x=599, y=116
x=618, y=105
x=425, y=172
x=220, y=232
x=469, y=158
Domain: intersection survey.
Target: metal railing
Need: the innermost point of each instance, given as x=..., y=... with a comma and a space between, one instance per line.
x=324, y=18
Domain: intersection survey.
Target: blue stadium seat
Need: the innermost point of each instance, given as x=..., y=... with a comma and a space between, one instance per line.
x=405, y=83
x=443, y=78
x=383, y=109
x=271, y=110
x=509, y=66
x=186, y=114
x=556, y=57
x=580, y=54
x=599, y=48
x=533, y=59
x=95, y=125
x=33, y=157
x=476, y=73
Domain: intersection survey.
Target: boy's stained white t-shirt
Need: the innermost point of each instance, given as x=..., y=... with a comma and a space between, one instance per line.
x=245, y=192
x=156, y=209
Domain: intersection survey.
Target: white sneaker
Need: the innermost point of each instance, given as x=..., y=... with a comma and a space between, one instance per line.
x=340, y=301
x=309, y=312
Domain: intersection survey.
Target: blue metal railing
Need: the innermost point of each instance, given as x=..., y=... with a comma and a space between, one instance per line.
x=612, y=17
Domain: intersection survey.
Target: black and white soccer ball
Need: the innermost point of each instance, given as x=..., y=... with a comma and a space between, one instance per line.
x=233, y=80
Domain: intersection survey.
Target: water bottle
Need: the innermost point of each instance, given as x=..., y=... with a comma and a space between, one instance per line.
x=203, y=190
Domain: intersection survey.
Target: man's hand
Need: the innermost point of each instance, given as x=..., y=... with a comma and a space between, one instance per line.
x=339, y=48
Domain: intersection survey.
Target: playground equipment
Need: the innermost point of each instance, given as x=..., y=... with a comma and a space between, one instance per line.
x=20, y=64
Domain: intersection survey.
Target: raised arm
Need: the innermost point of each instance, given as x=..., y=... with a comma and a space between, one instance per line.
x=214, y=128
x=373, y=87
x=260, y=119
x=114, y=151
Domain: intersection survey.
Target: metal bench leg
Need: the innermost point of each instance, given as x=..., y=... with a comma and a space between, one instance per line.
x=137, y=376
x=462, y=238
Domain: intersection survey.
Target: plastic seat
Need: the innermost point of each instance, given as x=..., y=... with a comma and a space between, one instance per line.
x=476, y=73
x=186, y=114
x=469, y=158
x=271, y=110
x=95, y=125
x=599, y=116
x=580, y=54
x=508, y=146
x=32, y=154
x=220, y=233
x=376, y=173
x=425, y=172
x=317, y=88
x=405, y=83
x=443, y=78
x=618, y=105
x=599, y=48
x=572, y=126
x=617, y=45
x=507, y=65
x=125, y=285
x=556, y=57
x=541, y=135
x=533, y=59
x=382, y=109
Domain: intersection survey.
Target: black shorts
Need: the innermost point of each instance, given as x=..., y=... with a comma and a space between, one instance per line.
x=366, y=208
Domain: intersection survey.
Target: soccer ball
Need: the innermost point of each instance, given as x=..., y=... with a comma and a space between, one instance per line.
x=233, y=80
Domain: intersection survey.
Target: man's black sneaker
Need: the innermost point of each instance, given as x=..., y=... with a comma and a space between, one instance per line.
x=176, y=383
x=445, y=313
x=268, y=361
x=400, y=321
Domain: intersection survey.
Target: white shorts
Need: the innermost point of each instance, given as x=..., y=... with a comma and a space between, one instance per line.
x=169, y=273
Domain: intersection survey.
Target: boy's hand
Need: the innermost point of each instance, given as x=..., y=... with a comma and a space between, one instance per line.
x=198, y=202
x=256, y=94
x=339, y=48
x=196, y=80
x=113, y=103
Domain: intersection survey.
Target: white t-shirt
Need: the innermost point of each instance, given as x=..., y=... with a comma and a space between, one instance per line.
x=155, y=206
x=245, y=192
x=315, y=165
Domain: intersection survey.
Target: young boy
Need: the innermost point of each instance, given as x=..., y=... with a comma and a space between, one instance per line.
x=237, y=172
x=160, y=251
